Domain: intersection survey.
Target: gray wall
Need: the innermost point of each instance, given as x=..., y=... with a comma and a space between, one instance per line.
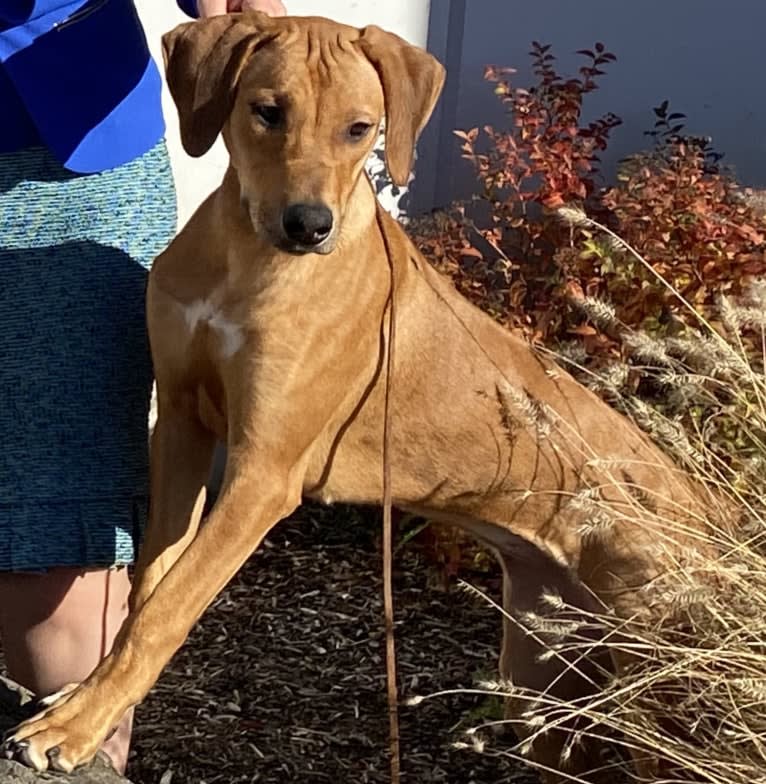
x=705, y=56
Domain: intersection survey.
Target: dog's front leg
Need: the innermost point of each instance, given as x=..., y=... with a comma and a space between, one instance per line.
x=257, y=495
x=181, y=456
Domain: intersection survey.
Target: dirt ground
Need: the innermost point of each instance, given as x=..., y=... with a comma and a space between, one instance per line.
x=283, y=680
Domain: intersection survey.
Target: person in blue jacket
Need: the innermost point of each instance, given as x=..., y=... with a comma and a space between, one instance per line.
x=86, y=202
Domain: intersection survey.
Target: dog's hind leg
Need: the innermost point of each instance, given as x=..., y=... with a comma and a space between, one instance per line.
x=181, y=455
x=542, y=680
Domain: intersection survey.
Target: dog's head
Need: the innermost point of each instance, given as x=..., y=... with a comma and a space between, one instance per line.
x=300, y=101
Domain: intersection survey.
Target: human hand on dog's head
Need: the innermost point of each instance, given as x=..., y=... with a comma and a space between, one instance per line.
x=216, y=7
x=270, y=7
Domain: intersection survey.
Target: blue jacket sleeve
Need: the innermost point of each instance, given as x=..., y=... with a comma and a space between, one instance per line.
x=189, y=7
x=86, y=80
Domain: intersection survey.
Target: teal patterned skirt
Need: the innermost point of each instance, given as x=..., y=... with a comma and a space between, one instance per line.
x=75, y=372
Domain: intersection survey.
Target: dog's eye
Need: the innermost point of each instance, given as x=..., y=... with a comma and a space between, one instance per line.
x=269, y=114
x=359, y=130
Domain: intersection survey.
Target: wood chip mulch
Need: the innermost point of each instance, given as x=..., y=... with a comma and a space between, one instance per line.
x=283, y=679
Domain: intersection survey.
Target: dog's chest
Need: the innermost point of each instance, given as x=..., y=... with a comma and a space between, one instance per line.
x=209, y=335
x=204, y=319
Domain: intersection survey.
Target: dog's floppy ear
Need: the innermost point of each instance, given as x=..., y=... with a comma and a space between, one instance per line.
x=412, y=80
x=203, y=62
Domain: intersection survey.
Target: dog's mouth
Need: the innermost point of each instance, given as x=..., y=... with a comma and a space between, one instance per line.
x=299, y=249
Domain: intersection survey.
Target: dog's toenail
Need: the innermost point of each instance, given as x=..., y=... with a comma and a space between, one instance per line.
x=53, y=760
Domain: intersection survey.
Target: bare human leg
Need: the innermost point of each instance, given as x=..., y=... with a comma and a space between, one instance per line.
x=55, y=628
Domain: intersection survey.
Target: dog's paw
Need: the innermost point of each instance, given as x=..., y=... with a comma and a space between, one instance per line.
x=62, y=737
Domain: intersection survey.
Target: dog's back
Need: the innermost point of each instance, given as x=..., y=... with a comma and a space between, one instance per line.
x=486, y=428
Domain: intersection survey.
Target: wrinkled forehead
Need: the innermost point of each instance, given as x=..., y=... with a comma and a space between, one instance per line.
x=313, y=60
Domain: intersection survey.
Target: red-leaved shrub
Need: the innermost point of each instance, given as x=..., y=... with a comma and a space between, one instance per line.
x=510, y=253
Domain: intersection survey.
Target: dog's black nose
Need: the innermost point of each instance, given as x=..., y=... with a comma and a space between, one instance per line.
x=307, y=224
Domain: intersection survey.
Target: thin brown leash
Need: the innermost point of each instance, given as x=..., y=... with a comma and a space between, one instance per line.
x=388, y=593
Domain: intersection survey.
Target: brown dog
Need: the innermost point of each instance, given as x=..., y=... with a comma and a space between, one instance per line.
x=269, y=323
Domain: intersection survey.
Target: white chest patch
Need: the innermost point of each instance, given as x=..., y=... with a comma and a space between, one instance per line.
x=230, y=334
